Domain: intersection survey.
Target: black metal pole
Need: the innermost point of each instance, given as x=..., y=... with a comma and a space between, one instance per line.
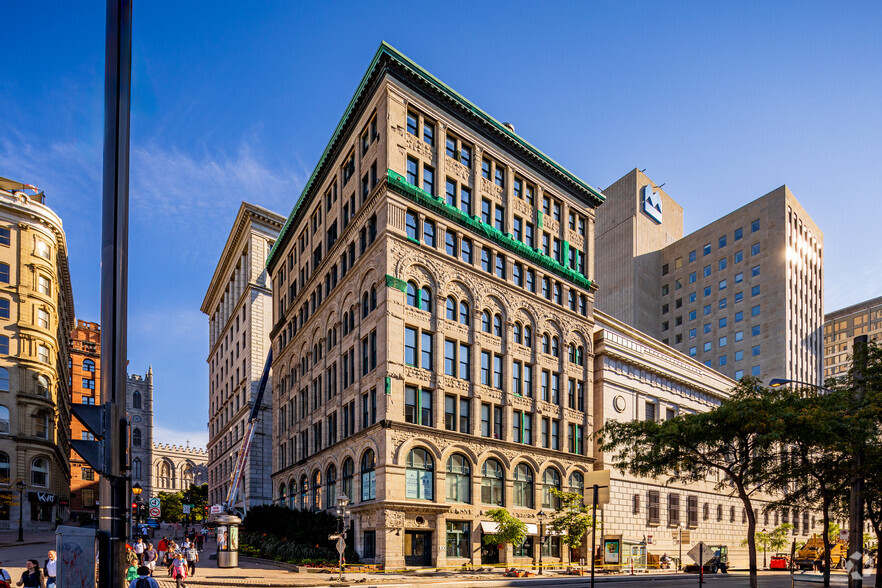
x=701, y=563
x=113, y=488
x=20, y=515
x=856, y=497
x=596, y=489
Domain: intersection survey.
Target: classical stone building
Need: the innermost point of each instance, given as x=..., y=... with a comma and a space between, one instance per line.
x=238, y=303
x=433, y=320
x=36, y=318
x=85, y=387
x=840, y=329
x=176, y=467
x=743, y=295
x=139, y=409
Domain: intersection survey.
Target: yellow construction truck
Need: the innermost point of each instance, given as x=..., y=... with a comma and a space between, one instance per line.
x=811, y=556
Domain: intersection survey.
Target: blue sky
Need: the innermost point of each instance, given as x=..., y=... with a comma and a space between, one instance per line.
x=235, y=101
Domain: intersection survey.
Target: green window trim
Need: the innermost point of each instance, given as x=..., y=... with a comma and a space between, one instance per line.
x=388, y=385
x=397, y=283
x=539, y=217
x=399, y=184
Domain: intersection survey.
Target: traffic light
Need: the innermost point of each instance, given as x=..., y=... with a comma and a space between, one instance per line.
x=205, y=514
x=134, y=507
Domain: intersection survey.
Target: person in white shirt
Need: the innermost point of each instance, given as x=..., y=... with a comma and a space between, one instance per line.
x=4, y=575
x=138, y=548
x=49, y=568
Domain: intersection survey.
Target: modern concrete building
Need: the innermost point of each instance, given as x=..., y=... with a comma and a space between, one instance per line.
x=238, y=304
x=432, y=326
x=85, y=386
x=176, y=467
x=36, y=319
x=840, y=329
x=743, y=295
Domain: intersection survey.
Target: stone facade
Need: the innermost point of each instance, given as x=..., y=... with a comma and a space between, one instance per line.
x=176, y=467
x=238, y=304
x=431, y=364
x=85, y=384
x=743, y=295
x=139, y=410
x=36, y=315
x=840, y=329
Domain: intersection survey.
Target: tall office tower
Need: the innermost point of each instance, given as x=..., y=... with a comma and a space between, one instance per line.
x=743, y=295
x=239, y=306
x=85, y=387
x=433, y=322
x=840, y=329
x=36, y=316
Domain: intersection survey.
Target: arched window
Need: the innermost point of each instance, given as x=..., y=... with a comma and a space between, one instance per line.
x=348, y=470
x=282, y=494
x=555, y=347
x=40, y=472
x=43, y=386
x=187, y=475
x=528, y=336
x=464, y=314
x=345, y=323
x=451, y=308
x=136, y=399
x=518, y=335
x=136, y=468
x=365, y=305
x=164, y=474
x=136, y=437
x=485, y=321
x=546, y=347
x=304, y=492
x=571, y=352
x=459, y=479
x=497, y=325
x=41, y=425
x=523, y=486
x=426, y=299
x=4, y=468
x=492, y=483
x=373, y=297
x=412, y=289
x=4, y=420
x=331, y=486
x=577, y=483
x=419, y=477
x=292, y=494
x=4, y=379
x=580, y=355
x=550, y=479
x=316, y=490
x=88, y=365
x=368, y=476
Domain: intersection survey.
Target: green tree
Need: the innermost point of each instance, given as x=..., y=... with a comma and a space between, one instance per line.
x=197, y=497
x=773, y=540
x=511, y=530
x=170, y=503
x=571, y=519
x=735, y=443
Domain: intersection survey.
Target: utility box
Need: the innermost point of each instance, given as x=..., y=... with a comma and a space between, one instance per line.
x=77, y=549
x=228, y=541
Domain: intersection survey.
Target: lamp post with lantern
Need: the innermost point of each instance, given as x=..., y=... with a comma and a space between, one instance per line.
x=342, y=510
x=541, y=515
x=21, y=488
x=136, y=510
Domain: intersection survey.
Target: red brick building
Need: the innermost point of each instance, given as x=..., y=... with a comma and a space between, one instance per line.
x=85, y=373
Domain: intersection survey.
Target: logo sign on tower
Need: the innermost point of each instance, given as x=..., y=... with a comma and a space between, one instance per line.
x=652, y=204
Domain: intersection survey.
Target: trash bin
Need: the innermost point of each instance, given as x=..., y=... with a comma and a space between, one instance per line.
x=228, y=541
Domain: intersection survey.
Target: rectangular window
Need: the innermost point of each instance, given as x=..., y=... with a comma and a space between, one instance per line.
x=369, y=544
x=739, y=233
x=755, y=311
x=459, y=539
x=722, y=264
x=722, y=242
x=755, y=249
x=652, y=510
x=673, y=509
x=755, y=271
x=450, y=357
x=429, y=179
x=429, y=133
x=410, y=350
x=465, y=362
x=485, y=368
x=755, y=226
x=412, y=123
x=466, y=250
x=464, y=416
x=426, y=351
x=450, y=412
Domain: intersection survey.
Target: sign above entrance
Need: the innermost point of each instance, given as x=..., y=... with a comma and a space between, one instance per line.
x=652, y=204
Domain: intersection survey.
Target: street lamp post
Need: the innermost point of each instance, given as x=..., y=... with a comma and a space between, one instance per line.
x=136, y=510
x=541, y=515
x=680, y=545
x=765, y=543
x=21, y=488
x=342, y=503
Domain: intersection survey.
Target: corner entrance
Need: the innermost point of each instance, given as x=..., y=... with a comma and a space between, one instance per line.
x=417, y=548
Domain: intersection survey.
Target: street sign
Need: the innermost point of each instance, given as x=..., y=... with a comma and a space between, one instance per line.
x=341, y=545
x=155, y=512
x=154, y=503
x=186, y=508
x=701, y=553
x=216, y=509
x=853, y=566
x=843, y=535
x=601, y=479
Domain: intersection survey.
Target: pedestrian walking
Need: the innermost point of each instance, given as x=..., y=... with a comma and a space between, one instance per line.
x=162, y=548
x=131, y=557
x=31, y=577
x=200, y=540
x=150, y=557
x=191, y=554
x=179, y=570
x=131, y=574
x=49, y=567
x=144, y=580
x=5, y=578
x=138, y=548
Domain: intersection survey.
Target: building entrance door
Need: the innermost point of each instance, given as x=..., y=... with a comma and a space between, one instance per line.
x=489, y=553
x=417, y=548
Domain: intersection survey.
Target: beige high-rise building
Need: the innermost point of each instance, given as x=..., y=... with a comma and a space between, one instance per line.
x=840, y=329
x=239, y=306
x=433, y=320
x=743, y=295
x=36, y=319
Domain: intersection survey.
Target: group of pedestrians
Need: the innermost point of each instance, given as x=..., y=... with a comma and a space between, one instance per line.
x=179, y=560
x=34, y=576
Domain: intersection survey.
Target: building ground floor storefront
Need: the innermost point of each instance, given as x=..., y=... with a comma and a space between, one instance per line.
x=39, y=511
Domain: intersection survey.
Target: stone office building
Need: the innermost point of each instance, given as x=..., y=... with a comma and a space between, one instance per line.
x=842, y=326
x=433, y=319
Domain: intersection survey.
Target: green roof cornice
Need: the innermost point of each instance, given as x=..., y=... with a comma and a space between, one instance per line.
x=387, y=54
